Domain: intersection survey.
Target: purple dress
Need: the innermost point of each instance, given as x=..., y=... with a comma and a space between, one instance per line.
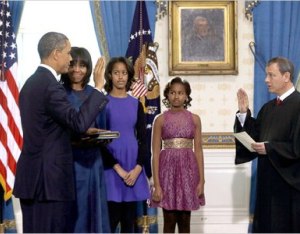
x=121, y=115
x=178, y=167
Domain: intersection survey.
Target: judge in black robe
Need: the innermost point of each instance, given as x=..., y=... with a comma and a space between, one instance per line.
x=276, y=131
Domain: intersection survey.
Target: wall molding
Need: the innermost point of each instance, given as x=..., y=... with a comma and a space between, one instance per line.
x=218, y=140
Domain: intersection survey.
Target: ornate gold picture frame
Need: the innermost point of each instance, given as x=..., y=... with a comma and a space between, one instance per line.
x=203, y=37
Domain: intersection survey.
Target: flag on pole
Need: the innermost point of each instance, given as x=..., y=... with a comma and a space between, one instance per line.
x=142, y=51
x=10, y=122
x=138, y=88
x=140, y=34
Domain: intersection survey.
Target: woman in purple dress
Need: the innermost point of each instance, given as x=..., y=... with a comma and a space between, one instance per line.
x=126, y=181
x=178, y=170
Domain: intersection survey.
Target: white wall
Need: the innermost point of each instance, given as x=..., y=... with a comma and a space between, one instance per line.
x=73, y=18
x=227, y=186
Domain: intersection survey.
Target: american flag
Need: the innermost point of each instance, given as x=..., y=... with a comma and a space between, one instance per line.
x=146, y=89
x=10, y=122
x=140, y=34
x=138, y=87
x=142, y=50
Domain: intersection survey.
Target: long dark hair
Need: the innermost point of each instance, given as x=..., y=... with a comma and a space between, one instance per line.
x=81, y=55
x=108, y=72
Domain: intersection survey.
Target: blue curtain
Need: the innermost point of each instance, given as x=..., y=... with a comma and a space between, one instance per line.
x=276, y=33
x=112, y=22
x=16, y=9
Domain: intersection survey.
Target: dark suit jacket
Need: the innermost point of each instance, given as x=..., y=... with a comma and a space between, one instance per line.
x=45, y=167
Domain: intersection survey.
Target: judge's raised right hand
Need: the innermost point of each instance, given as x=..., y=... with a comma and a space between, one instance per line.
x=243, y=101
x=99, y=73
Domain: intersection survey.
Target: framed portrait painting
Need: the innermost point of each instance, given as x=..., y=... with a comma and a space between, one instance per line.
x=203, y=37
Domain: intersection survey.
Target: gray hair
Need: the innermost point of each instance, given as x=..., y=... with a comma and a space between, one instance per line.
x=284, y=65
x=202, y=18
x=51, y=41
x=199, y=18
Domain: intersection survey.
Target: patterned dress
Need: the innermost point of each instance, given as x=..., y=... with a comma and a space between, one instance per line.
x=178, y=167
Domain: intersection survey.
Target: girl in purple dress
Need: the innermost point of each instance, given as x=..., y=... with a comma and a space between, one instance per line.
x=126, y=181
x=178, y=170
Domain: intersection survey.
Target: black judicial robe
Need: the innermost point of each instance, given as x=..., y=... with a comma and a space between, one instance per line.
x=277, y=207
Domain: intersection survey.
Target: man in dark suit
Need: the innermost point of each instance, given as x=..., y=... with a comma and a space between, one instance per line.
x=44, y=176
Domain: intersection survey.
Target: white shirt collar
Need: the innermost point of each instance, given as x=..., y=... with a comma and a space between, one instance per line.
x=57, y=77
x=287, y=93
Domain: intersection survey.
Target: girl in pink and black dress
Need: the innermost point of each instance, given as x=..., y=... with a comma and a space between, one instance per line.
x=178, y=168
